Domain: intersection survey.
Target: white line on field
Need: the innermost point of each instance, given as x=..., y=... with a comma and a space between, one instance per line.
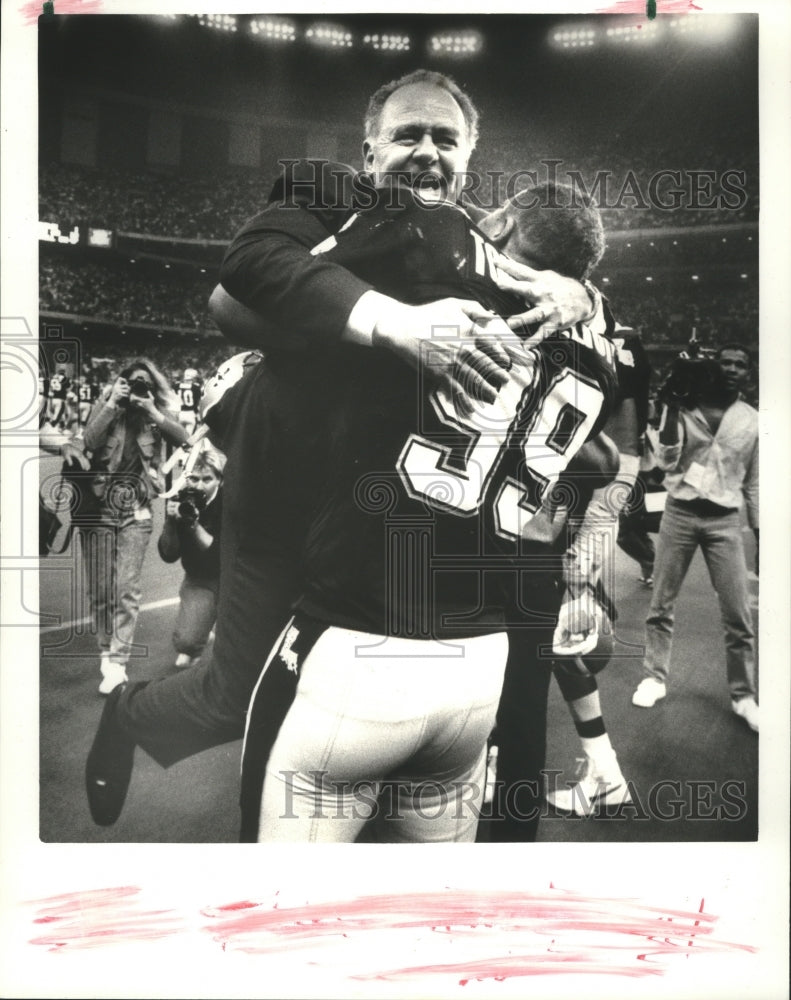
x=166, y=602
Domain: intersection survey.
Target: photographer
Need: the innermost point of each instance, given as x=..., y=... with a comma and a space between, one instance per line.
x=125, y=432
x=708, y=448
x=192, y=533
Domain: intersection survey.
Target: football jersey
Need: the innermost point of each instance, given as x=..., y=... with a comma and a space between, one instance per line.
x=426, y=514
x=88, y=390
x=58, y=386
x=190, y=391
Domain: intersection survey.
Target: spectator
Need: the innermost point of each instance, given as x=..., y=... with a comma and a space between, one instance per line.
x=125, y=432
x=192, y=534
x=708, y=447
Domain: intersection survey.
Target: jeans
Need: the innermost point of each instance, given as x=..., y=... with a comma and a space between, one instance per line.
x=196, y=616
x=683, y=529
x=113, y=559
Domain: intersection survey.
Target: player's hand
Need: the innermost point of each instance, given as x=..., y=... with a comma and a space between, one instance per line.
x=577, y=629
x=463, y=347
x=556, y=302
x=119, y=391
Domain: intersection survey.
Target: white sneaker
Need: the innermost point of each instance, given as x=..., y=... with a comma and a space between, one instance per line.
x=113, y=674
x=599, y=786
x=747, y=709
x=648, y=692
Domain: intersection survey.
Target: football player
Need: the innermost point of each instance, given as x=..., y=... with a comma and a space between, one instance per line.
x=190, y=390
x=421, y=541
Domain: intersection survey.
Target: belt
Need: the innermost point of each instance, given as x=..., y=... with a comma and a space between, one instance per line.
x=705, y=508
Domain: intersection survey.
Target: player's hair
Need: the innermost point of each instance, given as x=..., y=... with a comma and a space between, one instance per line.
x=212, y=460
x=735, y=346
x=164, y=396
x=373, y=112
x=556, y=229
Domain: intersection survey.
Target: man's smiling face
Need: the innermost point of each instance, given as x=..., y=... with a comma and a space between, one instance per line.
x=422, y=134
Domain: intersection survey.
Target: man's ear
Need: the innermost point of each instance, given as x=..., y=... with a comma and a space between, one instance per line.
x=368, y=154
x=501, y=229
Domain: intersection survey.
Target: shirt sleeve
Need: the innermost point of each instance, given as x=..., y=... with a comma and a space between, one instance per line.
x=269, y=266
x=750, y=488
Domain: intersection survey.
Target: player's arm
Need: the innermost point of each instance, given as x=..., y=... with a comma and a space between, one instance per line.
x=303, y=299
x=269, y=267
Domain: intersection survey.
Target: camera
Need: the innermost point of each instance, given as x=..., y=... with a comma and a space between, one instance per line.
x=694, y=380
x=139, y=387
x=191, y=502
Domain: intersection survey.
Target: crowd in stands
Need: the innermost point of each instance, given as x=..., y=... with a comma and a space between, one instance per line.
x=113, y=291
x=119, y=294
x=157, y=204
x=668, y=317
x=213, y=207
x=607, y=173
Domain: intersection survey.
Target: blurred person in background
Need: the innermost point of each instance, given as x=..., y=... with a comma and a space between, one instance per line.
x=708, y=448
x=191, y=533
x=125, y=433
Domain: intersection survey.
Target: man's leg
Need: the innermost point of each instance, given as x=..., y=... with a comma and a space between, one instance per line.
x=196, y=615
x=399, y=741
x=678, y=539
x=723, y=550
x=131, y=544
x=521, y=728
x=192, y=711
x=196, y=709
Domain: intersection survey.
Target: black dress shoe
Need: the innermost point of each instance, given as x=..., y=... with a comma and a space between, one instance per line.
x=109, y=765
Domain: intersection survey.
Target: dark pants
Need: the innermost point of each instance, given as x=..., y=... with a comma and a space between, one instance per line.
x=633, y=537
x=192, y=711
x=521, y=733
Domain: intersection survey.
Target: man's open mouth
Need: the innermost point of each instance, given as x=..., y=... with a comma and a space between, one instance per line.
x=430, y=187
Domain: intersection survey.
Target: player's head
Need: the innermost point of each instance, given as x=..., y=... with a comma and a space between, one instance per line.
x=549, y=226
x=190, y=373
x=736, y=363
x=421, y=126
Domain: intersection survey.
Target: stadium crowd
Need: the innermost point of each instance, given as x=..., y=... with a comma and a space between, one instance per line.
x=186, y=206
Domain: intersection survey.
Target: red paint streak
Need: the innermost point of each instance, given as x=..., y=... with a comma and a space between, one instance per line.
x=32, y=10
x=99, y=917
x=537, y=933
x=639, y=7
x=503, y=934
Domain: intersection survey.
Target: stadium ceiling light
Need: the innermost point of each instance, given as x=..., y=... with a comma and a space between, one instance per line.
x=276, y=29
x=696, y=277
x=221, y=22
x=393, y=42
x=329, y=36
x=742, y=275
x=466, y=43
x=649, y=278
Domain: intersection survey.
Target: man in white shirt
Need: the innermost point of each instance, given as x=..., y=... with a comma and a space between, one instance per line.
x=708, y=448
